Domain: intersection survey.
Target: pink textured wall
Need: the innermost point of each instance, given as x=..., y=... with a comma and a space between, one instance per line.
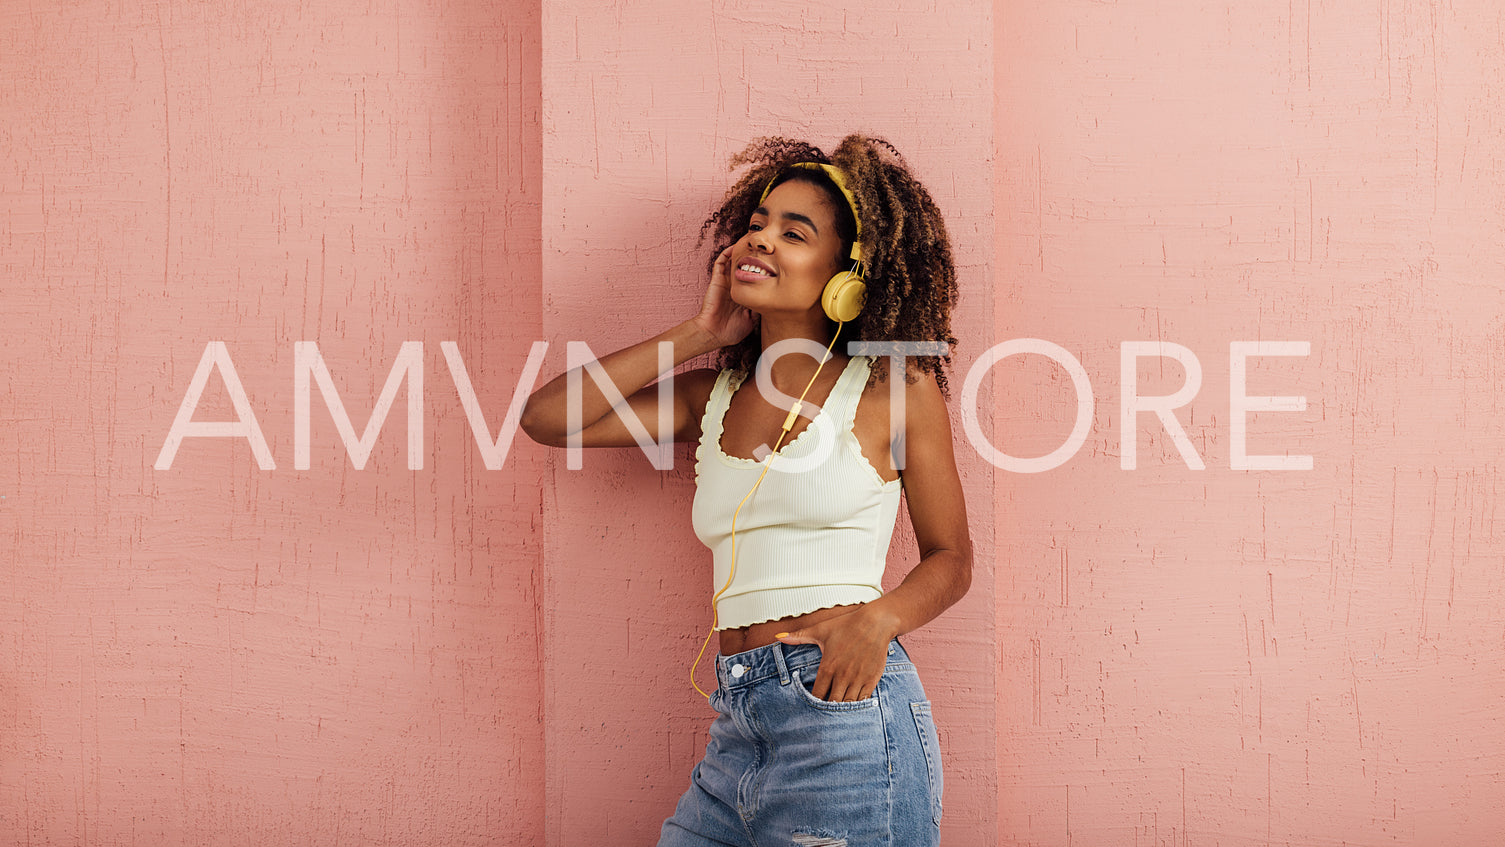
x=1254, y=657
x=215, y=653
x=221, y=653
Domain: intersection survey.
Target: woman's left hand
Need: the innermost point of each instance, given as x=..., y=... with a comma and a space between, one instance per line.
x=853, y=653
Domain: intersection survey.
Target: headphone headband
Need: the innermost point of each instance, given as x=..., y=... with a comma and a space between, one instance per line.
x=840, y=180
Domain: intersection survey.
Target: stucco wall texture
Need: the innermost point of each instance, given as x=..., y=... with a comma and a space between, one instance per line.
x=1254, y=657
x=411, y=647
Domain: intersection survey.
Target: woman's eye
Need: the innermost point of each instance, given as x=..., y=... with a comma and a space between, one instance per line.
x=794, y=235
x=753, y=227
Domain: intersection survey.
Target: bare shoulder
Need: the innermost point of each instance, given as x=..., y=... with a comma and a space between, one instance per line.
x=692, y=389
x=922, y=394
x=696, y=385
x=889, y=422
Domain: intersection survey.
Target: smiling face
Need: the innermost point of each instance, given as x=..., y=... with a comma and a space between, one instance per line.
x=790, y=251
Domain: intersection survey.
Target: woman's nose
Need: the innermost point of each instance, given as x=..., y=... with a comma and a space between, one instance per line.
x=758, y=240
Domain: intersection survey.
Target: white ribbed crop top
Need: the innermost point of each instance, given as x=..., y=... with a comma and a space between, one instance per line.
x=816, y=533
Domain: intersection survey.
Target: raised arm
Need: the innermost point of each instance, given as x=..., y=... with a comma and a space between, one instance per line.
x=633, y=370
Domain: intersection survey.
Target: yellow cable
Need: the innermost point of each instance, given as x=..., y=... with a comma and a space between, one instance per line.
x=767, y=463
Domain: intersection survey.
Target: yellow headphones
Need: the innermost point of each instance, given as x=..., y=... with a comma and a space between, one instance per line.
x=846, y=292
x=842, y=301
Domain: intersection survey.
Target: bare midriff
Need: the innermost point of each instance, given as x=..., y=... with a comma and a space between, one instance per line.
x=762, y=634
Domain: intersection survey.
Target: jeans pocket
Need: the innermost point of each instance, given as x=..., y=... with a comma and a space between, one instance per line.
x=804, y=678
x=930, y=743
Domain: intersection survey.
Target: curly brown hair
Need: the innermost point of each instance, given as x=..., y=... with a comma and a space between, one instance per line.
x=911, y=281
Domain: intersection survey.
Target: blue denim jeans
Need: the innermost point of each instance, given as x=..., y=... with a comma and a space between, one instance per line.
x=784, y=769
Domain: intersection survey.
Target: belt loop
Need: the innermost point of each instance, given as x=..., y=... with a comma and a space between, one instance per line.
x=778, y=657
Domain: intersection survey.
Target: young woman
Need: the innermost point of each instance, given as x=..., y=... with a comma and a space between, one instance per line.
x=823, y=734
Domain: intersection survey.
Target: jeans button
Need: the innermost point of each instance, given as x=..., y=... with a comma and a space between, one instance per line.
x=738, y=671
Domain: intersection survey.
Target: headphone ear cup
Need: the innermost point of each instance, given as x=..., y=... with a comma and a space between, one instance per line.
x=844, y=296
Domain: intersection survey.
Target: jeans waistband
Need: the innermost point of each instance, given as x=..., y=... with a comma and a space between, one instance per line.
x=777, y=660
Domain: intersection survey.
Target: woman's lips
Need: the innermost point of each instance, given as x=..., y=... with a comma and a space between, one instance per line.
x=753, y=270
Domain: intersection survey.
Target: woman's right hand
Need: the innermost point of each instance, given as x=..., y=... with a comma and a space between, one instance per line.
x=725, y=321
x=552, y=417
